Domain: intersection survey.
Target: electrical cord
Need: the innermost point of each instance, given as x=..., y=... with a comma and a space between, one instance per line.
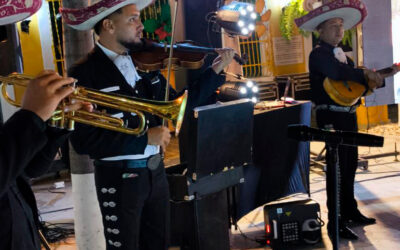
x=57, y=210
x=54, y=232
x=260, y=241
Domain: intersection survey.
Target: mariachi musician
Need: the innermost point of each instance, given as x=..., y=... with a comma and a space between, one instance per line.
x=28, y=145
x=130, y=177
x=327, y=60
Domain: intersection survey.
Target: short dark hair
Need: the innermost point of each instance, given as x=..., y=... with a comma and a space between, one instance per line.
x=321, y=24
x=97, y=27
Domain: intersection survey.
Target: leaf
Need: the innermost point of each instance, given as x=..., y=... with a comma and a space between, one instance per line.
x=165, y=13
x=259, y=6
x=150, y=25
x=265, y=17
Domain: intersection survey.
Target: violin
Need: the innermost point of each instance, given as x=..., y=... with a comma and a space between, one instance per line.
x=154, y=56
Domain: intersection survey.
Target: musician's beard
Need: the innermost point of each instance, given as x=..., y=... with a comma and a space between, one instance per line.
x=132, y=46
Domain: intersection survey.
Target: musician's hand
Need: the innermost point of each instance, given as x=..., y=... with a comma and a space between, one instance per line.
x=45, y=92
x=159, y=136
x=395, y=68
x=374, y=79
x=77, y=105
x=225, y=56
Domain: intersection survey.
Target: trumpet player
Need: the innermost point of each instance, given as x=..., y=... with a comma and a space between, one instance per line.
x=27, y=145
x=130, y=178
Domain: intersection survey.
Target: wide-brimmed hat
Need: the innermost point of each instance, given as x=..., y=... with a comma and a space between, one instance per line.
x=12, y=11
x=352, y=12
x=86, y=18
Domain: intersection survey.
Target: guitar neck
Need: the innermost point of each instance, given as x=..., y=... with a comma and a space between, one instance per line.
x=386, y=72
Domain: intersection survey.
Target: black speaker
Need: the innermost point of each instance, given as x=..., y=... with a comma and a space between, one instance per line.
x=292, y=223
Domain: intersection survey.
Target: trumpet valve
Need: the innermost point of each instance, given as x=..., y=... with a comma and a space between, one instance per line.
x=71, y=125
x=71, y=122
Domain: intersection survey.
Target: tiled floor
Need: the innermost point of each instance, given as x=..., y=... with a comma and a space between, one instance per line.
x=377, y=189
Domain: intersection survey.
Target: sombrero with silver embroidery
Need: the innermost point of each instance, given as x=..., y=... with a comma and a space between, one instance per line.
x=12, y=11
x=86, y=18
x=352, y=12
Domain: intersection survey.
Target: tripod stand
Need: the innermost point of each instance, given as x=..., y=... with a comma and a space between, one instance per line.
x=332, y=141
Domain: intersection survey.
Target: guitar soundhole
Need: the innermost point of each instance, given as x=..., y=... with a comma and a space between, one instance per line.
x=347, y=86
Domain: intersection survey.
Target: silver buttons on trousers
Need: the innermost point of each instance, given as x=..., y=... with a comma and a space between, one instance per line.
x=109, y=204
x=114, y=231
x=116, y=243
x=110, y=190
x=112, y=218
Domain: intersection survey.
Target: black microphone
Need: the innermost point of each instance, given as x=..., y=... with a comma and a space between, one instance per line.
x=304, y=133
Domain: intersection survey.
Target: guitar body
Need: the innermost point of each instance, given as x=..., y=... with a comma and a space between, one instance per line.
x=345, y=93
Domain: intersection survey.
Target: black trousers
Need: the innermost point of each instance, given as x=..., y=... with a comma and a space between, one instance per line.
x=348, y=160
x=134, y=203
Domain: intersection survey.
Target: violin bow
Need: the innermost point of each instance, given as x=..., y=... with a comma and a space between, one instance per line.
x=171, y=48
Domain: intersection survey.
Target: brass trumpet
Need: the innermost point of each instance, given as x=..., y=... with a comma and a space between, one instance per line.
x=171, y=110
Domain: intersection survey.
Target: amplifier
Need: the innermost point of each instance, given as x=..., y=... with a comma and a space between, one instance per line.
x=292, y=223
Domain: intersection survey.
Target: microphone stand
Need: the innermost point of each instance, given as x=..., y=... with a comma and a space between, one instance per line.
x=332, y=141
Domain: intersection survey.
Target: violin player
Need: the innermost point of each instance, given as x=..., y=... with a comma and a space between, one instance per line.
x=327, y=59
x=130, y=178
x=28, y=145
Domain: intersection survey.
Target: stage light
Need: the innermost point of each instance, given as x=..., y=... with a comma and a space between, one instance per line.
x=236, y=18
x=238, y=90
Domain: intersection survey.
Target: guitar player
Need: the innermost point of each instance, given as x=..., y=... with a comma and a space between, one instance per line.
x=329, y=60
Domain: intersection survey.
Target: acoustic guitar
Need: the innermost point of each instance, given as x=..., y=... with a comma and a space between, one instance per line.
x=347, y=93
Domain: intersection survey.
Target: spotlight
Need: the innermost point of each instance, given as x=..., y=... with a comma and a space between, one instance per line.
x=238, y=90
x=245, y=31
x=235, y=16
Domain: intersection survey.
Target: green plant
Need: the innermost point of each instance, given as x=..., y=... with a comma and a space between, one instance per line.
x=348, y=37
x=160, y=26
x=290, y=12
